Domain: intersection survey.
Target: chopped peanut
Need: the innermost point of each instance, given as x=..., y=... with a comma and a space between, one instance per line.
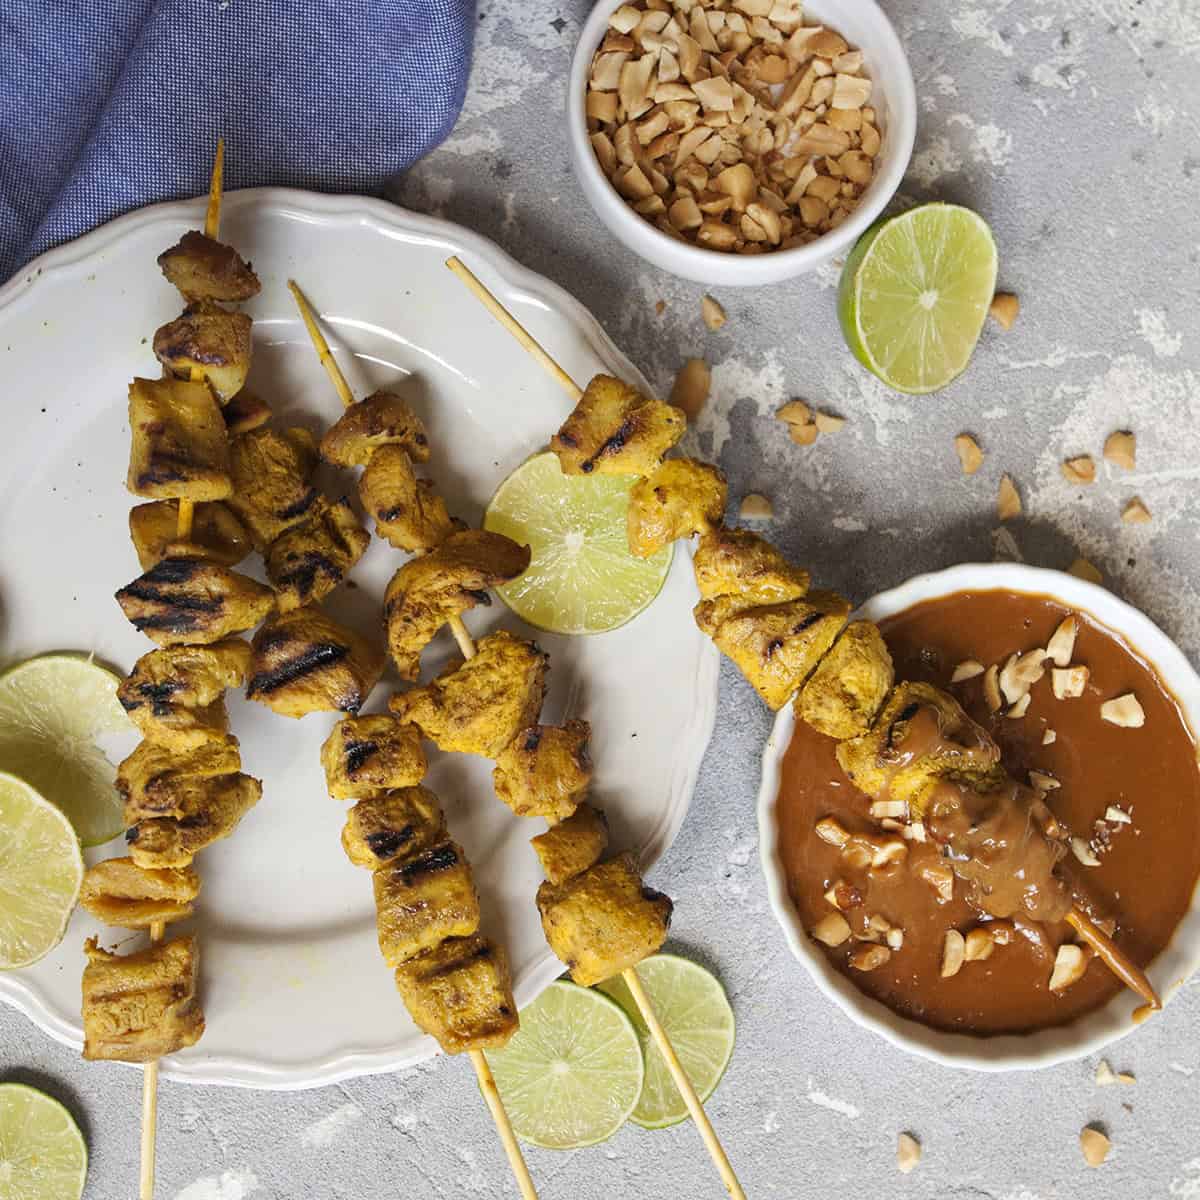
x=1008, y=501
x=954, y=949
x=1120, y=449
x=1095, y=1146
x=1135, y=512
x=908, y=1153
x=755, y=507
x=1004, y=309
x=969, y=453
x=691, y=388
x=710, y=310
x=1080, y=470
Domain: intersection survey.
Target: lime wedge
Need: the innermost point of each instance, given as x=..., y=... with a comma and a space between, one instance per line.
x=42, y=1155
x=52, y=709
x=41, y=868
x=691, y=1006
x=914, y=295
x=582, y=578
x=573, y=1072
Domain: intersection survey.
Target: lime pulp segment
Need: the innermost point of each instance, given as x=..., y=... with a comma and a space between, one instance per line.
x=692, y=1007
x=581, y=577
x=915, y=293
x=572, y=1073
x=42, y=1152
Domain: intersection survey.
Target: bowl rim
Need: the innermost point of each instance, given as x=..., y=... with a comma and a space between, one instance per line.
x=699, y=262
x=1047, y=1047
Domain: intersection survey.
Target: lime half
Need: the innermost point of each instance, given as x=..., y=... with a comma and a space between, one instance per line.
x=914, y=295
x=41, y=868
x=42, y=1154
x=582, y=578
x=52, y=709
x=573, y=1072
x=691, y=1006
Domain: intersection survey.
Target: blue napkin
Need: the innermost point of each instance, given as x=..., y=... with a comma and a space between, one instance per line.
x=106, y=105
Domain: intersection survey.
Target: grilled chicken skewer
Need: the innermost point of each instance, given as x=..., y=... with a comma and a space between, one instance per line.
x=759, y=611
x=455, y=983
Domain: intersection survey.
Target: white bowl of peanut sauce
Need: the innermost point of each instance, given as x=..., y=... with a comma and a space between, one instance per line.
x=998, y=1013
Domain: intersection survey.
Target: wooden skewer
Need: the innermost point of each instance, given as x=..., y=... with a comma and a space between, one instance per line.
x=487, y=1083
x=694, y=1105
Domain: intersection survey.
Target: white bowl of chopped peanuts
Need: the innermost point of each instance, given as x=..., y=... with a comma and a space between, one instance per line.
x=1124, y=652
x=800, y=161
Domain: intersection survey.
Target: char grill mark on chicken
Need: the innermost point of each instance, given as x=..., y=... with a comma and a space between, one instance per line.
x=204, y=269
x=309, y=560
x=545, y=770
x=366, y=756
x=392, y=827
x=209, y=341
x=382, y=419
x=158, y=780
x=271, y=473
x=408, y=512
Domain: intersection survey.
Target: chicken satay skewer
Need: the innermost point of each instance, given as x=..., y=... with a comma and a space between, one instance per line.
x=678, y=1073
x=1127, y=971
x=483, y=1071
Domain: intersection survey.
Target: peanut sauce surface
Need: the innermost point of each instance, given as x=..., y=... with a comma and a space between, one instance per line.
x=1147, y=875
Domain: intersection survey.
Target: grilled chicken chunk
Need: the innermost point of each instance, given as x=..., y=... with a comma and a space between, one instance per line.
x=142, y=1006
x=166, y=842
x=204, y=269
x=245, y=412
x=479, y=706
x=570, y=847
x=733, y=562
x=545, y=770
x=846, y=690
x=382, y=419
x=174, y=695
x=427, y=591
x=393, y=827
x=304, y=662
x=460, y=992
x=604, y=920
x=408, y=511
x=271, y=488
x=366, y=756
x=682, y=497
x=179, y=449
x=776, y=646
x=210, y=340
x=307, y=561
x=921, y=733
x=160, y=781
x=188, y=601
x=421, y=901
x=615, y=430
x=216, y=534
x=119, y=892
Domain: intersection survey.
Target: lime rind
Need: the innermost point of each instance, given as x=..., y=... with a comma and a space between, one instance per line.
x=572, y=1074
x=581, y=578
x=914, y=295
x=52, y=710
x=42, y=1152
x=692, y=1007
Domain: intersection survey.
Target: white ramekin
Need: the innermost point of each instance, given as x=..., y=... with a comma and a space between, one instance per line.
x=864, y=25
x=1089, y=1033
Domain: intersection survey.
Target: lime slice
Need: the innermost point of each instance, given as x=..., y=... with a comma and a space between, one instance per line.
x=42, y=1155
x=582, y=578
x=52, y=709
x=573, y=1072
x=914, y=295
x=692, y=1008
x=41, y=869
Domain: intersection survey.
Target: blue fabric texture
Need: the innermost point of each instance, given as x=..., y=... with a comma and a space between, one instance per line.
x=106, y=105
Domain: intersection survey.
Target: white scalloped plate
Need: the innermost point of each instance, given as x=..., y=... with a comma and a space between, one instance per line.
x=295, y=992
x=1091, y=1032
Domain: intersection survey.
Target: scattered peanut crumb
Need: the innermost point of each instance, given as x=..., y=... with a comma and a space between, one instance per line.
x=1080, y=470
x=755, y=507
x=1120, y=449
x=691, y=387
x=712, y=312
x=1061, y=645
x=1094, y=1144
x=1004, y=309
x=954, y=950
x=1049, y=737
x=978, y=945
x=795, y=412
x=908, y=1153
x=969, y=453
x=827, y=422
x=1135, y=512
x=1069, y=965
x=1008, y=501
x=1081, y=568
x=1087, y=857
x=991, y=687
x=967, y=669
x=1107, y=1077
x=1125, y=711
x=660, y=307
x=803, y=435
x=1020, y=708
x=832, y=930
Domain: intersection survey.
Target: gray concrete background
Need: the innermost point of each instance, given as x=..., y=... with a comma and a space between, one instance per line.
x=1074, y=127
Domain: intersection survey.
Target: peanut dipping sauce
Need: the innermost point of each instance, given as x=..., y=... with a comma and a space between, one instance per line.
x=1148, y=870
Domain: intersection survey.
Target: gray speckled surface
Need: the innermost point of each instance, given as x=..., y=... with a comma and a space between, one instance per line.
x=1073, y=126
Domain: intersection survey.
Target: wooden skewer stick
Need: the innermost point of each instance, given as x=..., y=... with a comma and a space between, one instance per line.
x=682, y=1082
x=212, y=226
x=487, y=1083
